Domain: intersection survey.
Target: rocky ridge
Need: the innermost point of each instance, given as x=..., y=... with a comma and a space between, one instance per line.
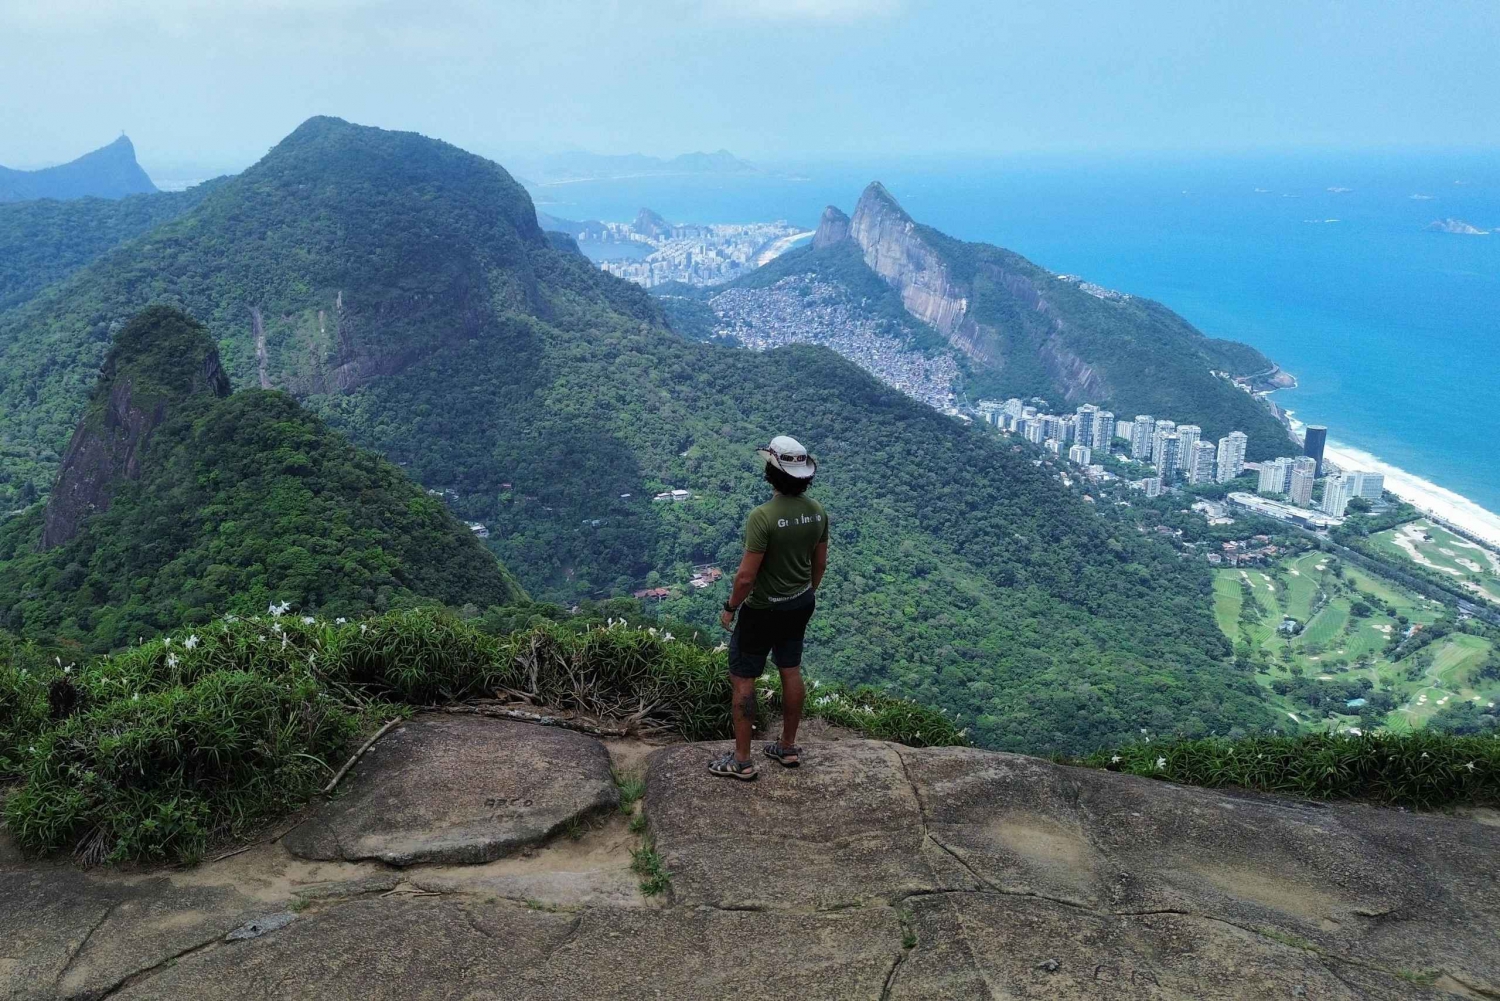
x=874, y=871
x=898, y=250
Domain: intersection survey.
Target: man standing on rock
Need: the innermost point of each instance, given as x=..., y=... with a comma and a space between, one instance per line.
x=786, y=552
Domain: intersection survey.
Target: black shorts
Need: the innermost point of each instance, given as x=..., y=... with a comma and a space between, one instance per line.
x=777, y=631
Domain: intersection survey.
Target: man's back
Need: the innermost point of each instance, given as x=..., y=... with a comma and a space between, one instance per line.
x=787, y=530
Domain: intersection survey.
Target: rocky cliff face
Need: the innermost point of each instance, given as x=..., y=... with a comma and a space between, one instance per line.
x=895, y=248
x=832, y=228
x=130, y=402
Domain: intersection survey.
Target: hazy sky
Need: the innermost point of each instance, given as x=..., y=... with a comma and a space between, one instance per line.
x=217, y=82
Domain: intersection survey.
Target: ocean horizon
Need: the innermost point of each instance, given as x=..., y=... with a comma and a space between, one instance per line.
x=1322, y=261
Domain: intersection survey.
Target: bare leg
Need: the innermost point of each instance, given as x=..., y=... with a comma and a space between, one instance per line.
x=793, y=692
x=743, y=712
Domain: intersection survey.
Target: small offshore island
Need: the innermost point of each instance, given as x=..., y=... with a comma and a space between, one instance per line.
x=1457, y=227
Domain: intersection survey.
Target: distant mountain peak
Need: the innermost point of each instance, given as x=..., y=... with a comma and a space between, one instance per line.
x=111, y=171
x=877, y=199
x=649, y=222
x=832, y=228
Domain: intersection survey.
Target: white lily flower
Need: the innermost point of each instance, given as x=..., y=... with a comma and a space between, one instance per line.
x=340, y=621
x=171, y=660
x=68, y=669
x=1161, y=763
x=136, y=697
x=166, y=641
x=191, y=642
x=307, y=620
x=1470, y=766
x=1114, y=759
x=363, y=628
x=1424, y=754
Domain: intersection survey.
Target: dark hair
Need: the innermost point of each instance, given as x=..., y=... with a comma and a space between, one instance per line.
x=784, y=484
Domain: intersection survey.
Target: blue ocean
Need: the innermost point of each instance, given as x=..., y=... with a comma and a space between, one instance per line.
x=1324, y=262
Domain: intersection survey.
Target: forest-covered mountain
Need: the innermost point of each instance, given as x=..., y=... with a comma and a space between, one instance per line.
x=1021, y=330
x=44, y=241
x=178, y=501
x=108, y=172
x=404, y=291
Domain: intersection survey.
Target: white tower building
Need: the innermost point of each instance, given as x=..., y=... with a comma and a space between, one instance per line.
x=1231, y=461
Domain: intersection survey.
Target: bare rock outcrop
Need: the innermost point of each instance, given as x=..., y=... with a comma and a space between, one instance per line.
x=872, y=871
x=460, y=790
x=832, y=228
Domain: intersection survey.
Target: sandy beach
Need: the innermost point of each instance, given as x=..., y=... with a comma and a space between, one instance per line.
x=1437, y=501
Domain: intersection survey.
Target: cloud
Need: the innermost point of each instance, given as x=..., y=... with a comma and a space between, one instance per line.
x=803, y=10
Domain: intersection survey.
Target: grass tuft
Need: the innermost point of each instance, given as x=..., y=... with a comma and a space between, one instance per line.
x=632, y=786
x=647, y=863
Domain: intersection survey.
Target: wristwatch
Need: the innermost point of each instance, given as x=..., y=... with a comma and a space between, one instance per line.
x=731, y=609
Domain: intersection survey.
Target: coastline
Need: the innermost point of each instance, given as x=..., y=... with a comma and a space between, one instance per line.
x=1438, y=502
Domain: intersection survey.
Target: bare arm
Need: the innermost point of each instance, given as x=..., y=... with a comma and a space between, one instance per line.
x=820, y=564
x=744, y=577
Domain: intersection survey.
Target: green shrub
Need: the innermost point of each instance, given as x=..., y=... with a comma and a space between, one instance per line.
x=1422, y=769
x=156, y=774
x=152, y=752
x=874, y=713
x=25, y=674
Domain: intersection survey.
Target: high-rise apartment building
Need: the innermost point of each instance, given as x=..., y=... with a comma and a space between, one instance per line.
x=1369, y=485
x=1125, y=430
x=1152, y=485
x=1034, y=431
x=1168, y=461
x=1275, y=476
x=1104, y=430
x=1314, y=437
x=1189, y=434
x=1084, y=418
x=1304, y=472
x=1337, y=492
x=1201, y=467
x=1141, y=431
x=1081, y=454
x=1163, y=428
x=1231, y=460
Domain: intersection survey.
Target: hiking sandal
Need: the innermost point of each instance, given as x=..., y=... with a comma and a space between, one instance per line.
x=788, y=755
x=731, y=767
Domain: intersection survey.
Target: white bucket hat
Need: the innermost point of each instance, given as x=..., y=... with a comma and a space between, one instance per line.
x=787, y=454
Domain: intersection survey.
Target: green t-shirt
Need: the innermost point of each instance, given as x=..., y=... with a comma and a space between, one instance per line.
x=787, y=530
